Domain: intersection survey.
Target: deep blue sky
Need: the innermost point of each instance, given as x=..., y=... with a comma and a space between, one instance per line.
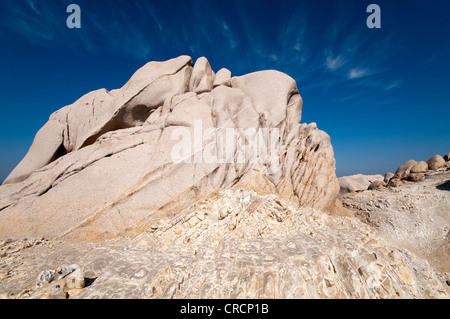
x=381, y=94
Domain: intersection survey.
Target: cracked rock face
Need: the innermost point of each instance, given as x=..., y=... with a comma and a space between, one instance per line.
x=104, y=165
x=233, y=244
x=415, y=216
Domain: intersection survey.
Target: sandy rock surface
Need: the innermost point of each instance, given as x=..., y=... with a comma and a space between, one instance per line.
x=415, y=216
x=233, y=244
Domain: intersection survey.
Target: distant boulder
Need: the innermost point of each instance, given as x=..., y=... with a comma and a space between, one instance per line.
x=358, y=182
x=419, y=167
x=388, y=176
x=435, y=162
x=414, y=177
x=404, y=169
x=417, y=171
x=377, y=184
x=395, y=182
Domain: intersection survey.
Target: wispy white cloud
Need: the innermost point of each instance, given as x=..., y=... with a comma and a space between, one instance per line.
x=43, y=23
x=338, y=52
x=147, y=8
x=393, y=85
x=357, y=73
x=333, y=56
x=31, y=20
x=32, y=5
x=227, y=33
x=334, y=63
x=293, y=40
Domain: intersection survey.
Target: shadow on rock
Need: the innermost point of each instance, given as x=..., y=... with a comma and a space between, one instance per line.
x=88, y=281
x=444, y=186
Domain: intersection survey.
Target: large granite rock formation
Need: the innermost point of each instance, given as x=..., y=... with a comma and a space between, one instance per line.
x=114, y=162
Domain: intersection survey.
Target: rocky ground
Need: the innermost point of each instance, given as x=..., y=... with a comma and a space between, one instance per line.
x=123, y=218
x=415, y=216
x=238, y=244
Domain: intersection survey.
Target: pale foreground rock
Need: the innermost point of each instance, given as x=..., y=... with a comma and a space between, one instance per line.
x=414, y=216
x=104, y=166
x=46, y=277
x=75, y=279
x=238, y=244
x=58, y=293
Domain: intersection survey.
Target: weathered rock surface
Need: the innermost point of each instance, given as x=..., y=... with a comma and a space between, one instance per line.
x=419, y=167
x=101, y=184
x=388, y=176
x=414, y=216
x=223, y=77
x=376, y=185
x=202, y=77
x=417, y=171
x=104, y=165
x=404, y=169
x=58, y=293
x=237, y=244
x=46, y=147
x=413, y=171
x=358, y=182
x=396, y=182
x=414, y=177
x=83, y=122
